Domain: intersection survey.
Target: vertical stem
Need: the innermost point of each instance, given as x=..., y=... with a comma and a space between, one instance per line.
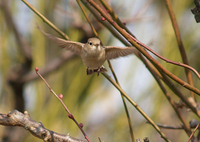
x=180, y=44
x=137, y=107
x=123, y=99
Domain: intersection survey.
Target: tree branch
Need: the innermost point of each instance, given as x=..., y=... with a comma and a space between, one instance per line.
x=16, y=118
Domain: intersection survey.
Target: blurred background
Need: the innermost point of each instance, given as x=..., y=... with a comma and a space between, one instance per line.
x=91, y=99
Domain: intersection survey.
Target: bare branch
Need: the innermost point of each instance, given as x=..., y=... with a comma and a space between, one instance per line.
x=16, y=118
x=137, y=107
x=59, y=97
x=45, y=19
x=139, y=46
x=180, y=44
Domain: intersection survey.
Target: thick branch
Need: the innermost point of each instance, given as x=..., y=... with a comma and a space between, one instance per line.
x=16, y=118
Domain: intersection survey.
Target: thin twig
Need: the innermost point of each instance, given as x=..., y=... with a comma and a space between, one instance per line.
x=167, y=60
x=91, y=26
x=179, y=94
x=137, y=41
x=111, y=68
x=188, y=130
x=137, y=107
x=185, y=124
x=115, y=17
x=180, y=44
x=193, y=132
x=45, y=19
x=60, y=99
x=138, y=45
x=170, y=127
x=144, y=60
x=124, y=102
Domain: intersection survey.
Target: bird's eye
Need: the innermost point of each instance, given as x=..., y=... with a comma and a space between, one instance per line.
x=90, y=43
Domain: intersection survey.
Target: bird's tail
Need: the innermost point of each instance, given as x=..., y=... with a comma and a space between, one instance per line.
x=99, y=70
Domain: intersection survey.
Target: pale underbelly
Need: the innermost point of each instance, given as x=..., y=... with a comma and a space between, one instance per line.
x=93, y=63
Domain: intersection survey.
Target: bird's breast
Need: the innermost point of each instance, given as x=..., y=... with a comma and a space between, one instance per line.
x=93, y=58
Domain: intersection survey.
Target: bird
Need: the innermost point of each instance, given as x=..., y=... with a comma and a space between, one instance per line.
x=92, y=53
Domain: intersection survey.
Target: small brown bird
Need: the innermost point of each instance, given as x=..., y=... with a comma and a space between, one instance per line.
x=92, y=53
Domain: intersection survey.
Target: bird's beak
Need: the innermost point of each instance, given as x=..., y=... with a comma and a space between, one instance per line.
x=97, y=46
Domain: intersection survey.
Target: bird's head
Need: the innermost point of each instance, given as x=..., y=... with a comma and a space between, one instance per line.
x=94, y=42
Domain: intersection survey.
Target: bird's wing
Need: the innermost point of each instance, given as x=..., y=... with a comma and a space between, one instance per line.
x=69, y=45
x=114, y=52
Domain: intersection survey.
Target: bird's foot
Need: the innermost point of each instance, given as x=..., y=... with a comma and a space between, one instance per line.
x=89, y=71
x=98, y=71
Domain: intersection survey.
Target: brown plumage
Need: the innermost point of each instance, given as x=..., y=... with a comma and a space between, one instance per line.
x=92, y=53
